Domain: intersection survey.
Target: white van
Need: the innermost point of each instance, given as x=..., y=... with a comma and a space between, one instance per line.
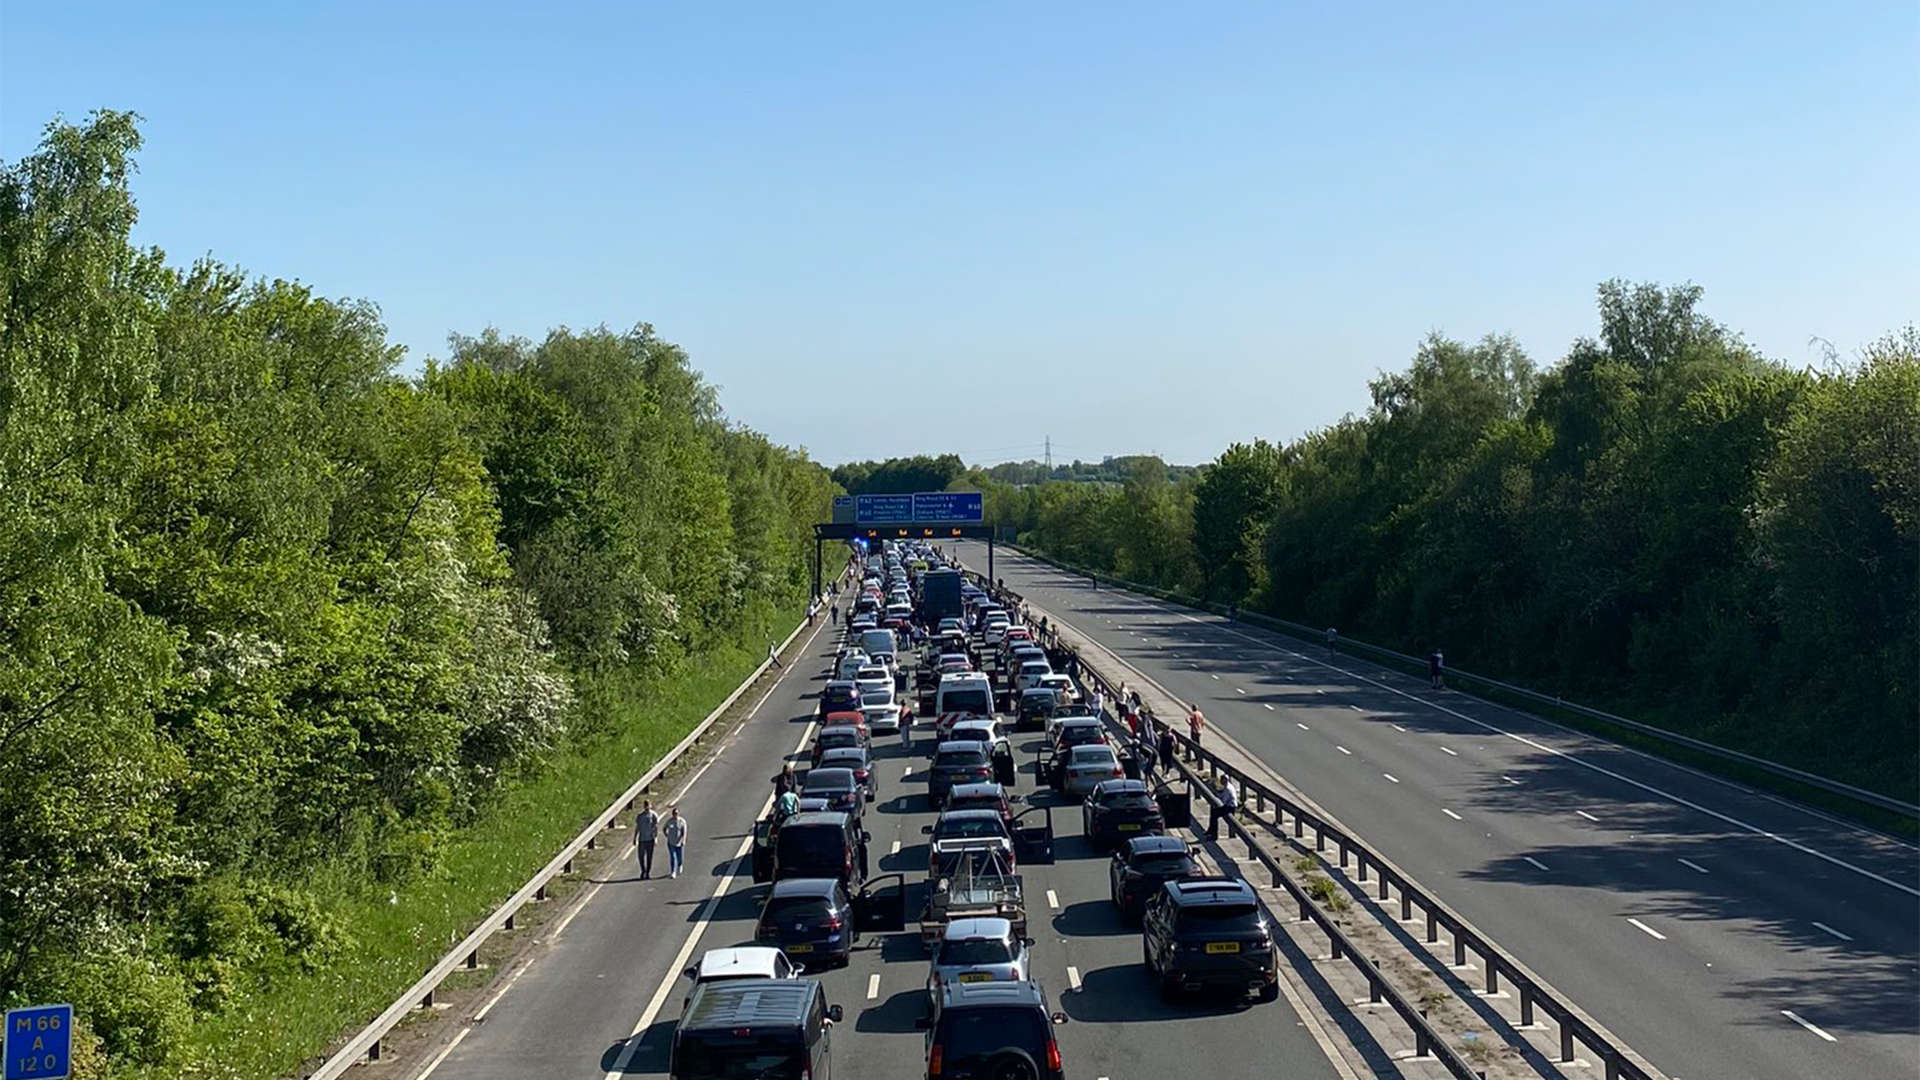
x=964, y=692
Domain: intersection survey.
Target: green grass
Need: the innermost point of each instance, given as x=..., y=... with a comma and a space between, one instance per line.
x=397, y=936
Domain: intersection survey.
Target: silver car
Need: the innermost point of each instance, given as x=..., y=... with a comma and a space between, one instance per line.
x=978, y=950
x=1088, y=766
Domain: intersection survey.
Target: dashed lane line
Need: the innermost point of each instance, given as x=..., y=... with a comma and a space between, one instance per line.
x=1073, y=977
x=1795, y=1017
x=1537, y=864
x=1451, y=814
x=1301, y=726
x=1344, y=750
x=1266, y=706
x=1391, y=777
x=1694, y=866
x=1586, y=815
x=1053, y=901
x=1650, y=931
x=873, y=986
x=1831, y=930
x=1448, y=751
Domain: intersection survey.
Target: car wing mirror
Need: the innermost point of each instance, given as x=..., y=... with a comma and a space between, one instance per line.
x=926, y=830
x=691, y=971
x=1059, y=1018
x=835, y=1013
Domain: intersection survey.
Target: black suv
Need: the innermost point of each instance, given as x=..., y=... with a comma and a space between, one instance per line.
x=1209, y=932
x=993, y=1031
x=1119, y=810
x=1141, y=866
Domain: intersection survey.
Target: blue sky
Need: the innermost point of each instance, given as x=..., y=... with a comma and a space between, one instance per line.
x=1134, y=227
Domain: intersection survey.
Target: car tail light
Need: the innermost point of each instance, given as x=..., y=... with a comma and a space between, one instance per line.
x=934, y=1054
x=1115, y=774
x=1053, y=1055
x=832, y=924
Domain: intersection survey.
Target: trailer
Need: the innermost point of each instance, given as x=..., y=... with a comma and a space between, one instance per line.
x=975, y=884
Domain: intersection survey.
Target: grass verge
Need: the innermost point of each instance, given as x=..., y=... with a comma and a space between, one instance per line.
x=269, y=1031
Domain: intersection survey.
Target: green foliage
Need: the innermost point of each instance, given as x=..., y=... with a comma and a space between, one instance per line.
x=271, y=613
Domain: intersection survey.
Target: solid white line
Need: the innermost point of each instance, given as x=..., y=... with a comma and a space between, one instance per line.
x=1344, y=750
x=1451, y=814
x=1391, y=777
x=1586, y=815
x=1073, y=977
x=502, y=992
x=1651, y=932
x=1052, y=900
x=1691, y=865
x=1791, y=1015
x=1266, y=706
x=1832, y=931
x=1447, y=751
x=442, y=1055
x=1537, y=864
x=1577, y=760
x=1301, y=726
x=873, y=986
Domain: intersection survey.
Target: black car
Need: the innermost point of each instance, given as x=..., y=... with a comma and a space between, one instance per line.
x=1209, y=933
x=1034, y=707
x=840, y=695
x=988, y=1030
x=957, y=763
x=821, y=844
x=817, y=922
x=838, y=737
x=1140, y=866
x=857, y=759
x=780, y=1029
x=1119, y=810
x=842, y=790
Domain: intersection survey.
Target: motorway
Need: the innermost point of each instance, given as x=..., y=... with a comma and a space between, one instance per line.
x=600, y=999
x=1720, y=931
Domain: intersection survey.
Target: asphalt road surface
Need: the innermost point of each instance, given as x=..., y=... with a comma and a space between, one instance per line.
x=1720, y=931
x=601, y=1000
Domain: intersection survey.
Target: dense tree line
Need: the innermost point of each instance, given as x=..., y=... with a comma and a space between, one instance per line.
x=1664, y=522
x=268, y=607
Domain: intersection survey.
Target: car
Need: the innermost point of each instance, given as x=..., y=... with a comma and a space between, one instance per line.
x=993, y=1029
x=860, y=761
x=1119, y=810
x=873, y=678
x=1034, y=708
x=836, y=738
x=968, y=830
x=978, y=950
x=1141, y=865
x=818, y=921
x=839, y=695
x=853, y=718
x=1062, y=686
x=948, y=624
x=1078, y=731
x=743, y=962
x=1209, y=932
x=956, y=763
x=1082, y=768
x=791, y=1022
x=849, y=664
x=842, y=790
x=982, y=796
x=882, y=709
x=821, y=844
x=970, y=693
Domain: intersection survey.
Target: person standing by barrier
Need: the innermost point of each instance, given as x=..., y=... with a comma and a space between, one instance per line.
x=1437, y=670
x=1167, y=744
x=674, y=830
x=1225, y=801
x=1133, y=723
x=646, y=828
x=1196, y=723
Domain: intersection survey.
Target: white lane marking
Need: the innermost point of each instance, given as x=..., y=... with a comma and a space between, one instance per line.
x=1448, y=752
x=1344, y=750
x=1509, y=779
x=1266, y=706
x=1301, y=726
x=896, y=848
x=1831, y=930
x=1355, y=708
x=1651, y=932
x=1052, y=900
x=1397, y=727
x=1451, y=814
x=1237, y=690
x=1795, y=1017
x=1215, y=678
x=1391, y=777
x=502, y=992
x=1319, y=691
x=1577, y=760
x=873, y=986
x=1537, y=864
x=1073, y=977
x=1586, y=815
x=1691, y=865
x=442, y=1055
x=908, y=773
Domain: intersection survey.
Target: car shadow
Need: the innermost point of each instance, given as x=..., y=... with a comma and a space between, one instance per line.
x=653, y=1054
x=912, y=858
x=1124, y=994
x=741, y=905
x=1091, y=918
x=898, y=1015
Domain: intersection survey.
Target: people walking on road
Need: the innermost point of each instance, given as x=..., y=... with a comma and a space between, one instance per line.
x=773, y=657
x=1225, y=801
x=813, y=608
x=1196, y=723
x=646, y=828
x=786, y=804
x=835, y=613
x=785, y=781
x=1436, y=669
x=1233, y=613
x=1167, y=744
x=906, y=725
x=1133, y=722
x=1333, y=638
x=674, y=829
x=1099, y=704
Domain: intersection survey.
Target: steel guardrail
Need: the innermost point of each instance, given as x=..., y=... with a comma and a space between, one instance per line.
x=365, y=1044
x=1574, y=1029
x=1350, y=645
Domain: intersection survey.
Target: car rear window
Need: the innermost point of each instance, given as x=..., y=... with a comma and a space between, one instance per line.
x=1090, y=755
x=702, y=1055
x=976, y=1031
x=966, y=701
x=1169, y=863
x=1219, y=917
x=967, y=951
x=812, y=844
x=797, y=907
x=970, y=828
x=965, y=755
x=839, y=737
x=836, y=779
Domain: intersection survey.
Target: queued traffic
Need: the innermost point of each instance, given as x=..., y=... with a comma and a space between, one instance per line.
x=934, y=681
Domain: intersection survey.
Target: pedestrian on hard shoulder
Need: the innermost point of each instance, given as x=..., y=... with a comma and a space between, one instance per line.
x=1133, y=722
x=1167, y=743
x=1333, y=638
x=674, y=830
x=773, y=657
x=1196, y=723
x=1225, y=801
x=785, y=781
x=646, y=828
x=1436, y=669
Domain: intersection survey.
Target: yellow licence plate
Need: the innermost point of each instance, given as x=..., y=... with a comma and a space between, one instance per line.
x=1129, y=826
x=1223, y=946
x=976, y=976
x=809, y=948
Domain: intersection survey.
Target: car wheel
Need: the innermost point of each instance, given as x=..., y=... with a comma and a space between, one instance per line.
x=1270, y=992
x=1169, y=988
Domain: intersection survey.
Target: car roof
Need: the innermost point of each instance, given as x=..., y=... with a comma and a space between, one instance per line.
x=980, y=789
x=1089, y=750
x=1214, y=890
x=831, y=819
x=748, y=1003
x=1129, y=787
x=841, y=684
x=749, y=959
x=956, y=747
x=985, y=926
x=803, y=886
x=1000, y=992
x=843, y=753
x=830, y=775
x=1156, y=845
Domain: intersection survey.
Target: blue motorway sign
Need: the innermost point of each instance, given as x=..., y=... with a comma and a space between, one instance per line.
x=39, y=1042
x=882, y=509
x=944, y=507
x=843, y=510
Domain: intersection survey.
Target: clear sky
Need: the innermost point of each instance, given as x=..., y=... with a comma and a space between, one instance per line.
x=901, y=227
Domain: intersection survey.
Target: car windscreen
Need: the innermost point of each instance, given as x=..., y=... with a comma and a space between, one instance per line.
x=1209, y=917
x=812, y=845
x=1127, y=800
x=969, y=828
x=976, y=1031
x=839, y=736
x=966, y=701
x=969, y=951
x=795, y=908
x=722, y=1055
x=964, y=755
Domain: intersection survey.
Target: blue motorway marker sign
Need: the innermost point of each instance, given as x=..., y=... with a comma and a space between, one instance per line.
x=946, y=507
x=39, y=1042
x=882, y=509
x=843, y=510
